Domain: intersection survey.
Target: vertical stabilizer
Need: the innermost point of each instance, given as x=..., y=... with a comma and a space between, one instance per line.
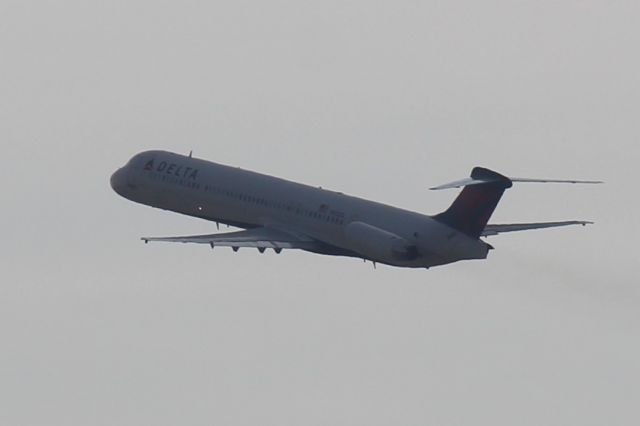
x=473, y=207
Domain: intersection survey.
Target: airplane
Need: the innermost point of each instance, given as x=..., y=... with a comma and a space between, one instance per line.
x=280, y=214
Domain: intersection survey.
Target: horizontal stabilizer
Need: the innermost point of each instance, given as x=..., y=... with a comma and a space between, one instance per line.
x=480, y=178
x=498, y=229
x=553, y=180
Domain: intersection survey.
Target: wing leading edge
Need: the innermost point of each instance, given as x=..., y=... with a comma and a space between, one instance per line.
x=498, y=229
x=261, y=238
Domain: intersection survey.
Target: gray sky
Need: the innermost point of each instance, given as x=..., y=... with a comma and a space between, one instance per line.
x=377, y=99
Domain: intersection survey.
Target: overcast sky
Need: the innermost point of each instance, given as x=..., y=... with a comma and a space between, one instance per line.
x=376, y=99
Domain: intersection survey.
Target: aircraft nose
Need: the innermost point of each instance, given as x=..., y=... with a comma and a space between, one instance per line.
x=119, y=181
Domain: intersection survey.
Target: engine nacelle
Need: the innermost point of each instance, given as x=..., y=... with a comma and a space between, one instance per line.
x=378, y=244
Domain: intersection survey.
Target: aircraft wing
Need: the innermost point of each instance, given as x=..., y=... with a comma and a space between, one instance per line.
x=260, y=238
x=498, y=229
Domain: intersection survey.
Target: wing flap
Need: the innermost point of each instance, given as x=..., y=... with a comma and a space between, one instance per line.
x=256, y=237
x=498, y=229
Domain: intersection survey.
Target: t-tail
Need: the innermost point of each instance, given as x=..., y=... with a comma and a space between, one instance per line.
x=472, y=209
x=470, y=212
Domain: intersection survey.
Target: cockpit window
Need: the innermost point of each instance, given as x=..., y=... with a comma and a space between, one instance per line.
x=139, y=161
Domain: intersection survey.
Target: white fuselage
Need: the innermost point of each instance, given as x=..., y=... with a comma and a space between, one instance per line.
x=346, y=225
